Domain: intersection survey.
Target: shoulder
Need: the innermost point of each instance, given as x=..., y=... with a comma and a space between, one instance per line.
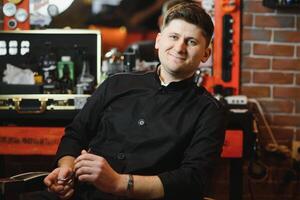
x=125, y=81
x=205, y=97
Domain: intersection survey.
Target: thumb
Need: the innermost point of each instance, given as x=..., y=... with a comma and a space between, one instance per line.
x=84, y=152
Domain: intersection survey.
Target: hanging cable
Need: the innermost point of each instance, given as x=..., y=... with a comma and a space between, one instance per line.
x=274, y=146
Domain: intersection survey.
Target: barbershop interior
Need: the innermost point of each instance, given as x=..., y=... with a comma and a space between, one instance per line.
x=55, y=55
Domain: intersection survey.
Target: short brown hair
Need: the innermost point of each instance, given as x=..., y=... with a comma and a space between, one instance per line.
x=170, y=3
x=193, y=13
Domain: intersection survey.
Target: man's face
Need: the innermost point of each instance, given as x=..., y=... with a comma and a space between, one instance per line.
x=181, y=47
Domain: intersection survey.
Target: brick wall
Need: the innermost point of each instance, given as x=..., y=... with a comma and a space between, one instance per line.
x=271, y=74
x=271, y=64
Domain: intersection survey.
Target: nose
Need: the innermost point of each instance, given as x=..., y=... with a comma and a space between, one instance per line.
x=180, y=46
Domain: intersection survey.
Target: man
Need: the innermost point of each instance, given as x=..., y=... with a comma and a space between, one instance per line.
x=147, y=136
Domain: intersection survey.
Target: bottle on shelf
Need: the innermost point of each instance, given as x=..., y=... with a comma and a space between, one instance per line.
x=85, y=79
x=66, y=75
x=48, y=64
x=65, y=62
x=129, y=61
x=65, y=82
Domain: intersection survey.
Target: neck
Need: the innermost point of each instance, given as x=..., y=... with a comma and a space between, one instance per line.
x=167, y=77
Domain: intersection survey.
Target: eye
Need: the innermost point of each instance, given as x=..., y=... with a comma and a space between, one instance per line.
x=192, y=43
x=173, y=37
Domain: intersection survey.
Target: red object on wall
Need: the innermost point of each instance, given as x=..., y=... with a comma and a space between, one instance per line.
x=30, y=140
x=233, y=145
x=44, y=141
x=24, y=4
x=229, y=8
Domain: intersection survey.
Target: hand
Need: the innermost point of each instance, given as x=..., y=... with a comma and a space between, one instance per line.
x=61, y=182
x=96, y=170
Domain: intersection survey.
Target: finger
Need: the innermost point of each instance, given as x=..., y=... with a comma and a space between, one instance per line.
x=47, y=181
x=83, y=170
x=65, y=190
x=85, y=156
x=90, y=159
x=64, y=176
x=86, y=178
x=68, y=195
x=71, y=181
x=84, y=152
x=56, y=188
x=67, y=180
x=85, y=163
x=51, y=178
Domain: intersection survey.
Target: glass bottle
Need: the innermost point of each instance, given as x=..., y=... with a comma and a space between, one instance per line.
x=66, y=82
x=49, y=70
x=85, y=78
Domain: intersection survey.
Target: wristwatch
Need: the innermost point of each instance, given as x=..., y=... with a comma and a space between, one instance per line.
x=130, y=184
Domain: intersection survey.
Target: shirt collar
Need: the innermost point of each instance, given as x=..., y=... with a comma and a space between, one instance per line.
x=176, y=85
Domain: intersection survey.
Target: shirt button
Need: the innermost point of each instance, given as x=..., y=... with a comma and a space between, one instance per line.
x=141, y=122
x=121, y=156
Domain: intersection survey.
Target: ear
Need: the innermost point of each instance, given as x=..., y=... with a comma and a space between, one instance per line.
x=158, y=36
x=206, y=55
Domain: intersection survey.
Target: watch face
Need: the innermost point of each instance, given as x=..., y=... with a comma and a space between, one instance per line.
x=21, y=15
x=15, y=1
x=9, y=9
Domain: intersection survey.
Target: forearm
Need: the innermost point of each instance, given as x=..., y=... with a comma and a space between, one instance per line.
x=144, y=187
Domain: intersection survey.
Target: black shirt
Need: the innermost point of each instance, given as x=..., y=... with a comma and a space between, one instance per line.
x=144, y=128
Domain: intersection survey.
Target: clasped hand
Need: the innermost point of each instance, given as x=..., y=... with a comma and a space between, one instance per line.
x=88, y=168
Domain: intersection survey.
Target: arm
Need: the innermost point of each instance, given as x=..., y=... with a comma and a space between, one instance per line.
x=146, y=186
x=97, y=171
x=190, y=179
x=84, y=126
x=77, y=134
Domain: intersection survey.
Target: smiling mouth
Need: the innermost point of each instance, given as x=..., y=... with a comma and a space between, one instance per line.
x=177, y=57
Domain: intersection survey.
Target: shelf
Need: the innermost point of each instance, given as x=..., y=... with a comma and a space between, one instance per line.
x=276, y=5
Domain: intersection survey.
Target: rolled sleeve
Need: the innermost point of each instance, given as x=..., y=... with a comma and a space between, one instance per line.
x=84, y=126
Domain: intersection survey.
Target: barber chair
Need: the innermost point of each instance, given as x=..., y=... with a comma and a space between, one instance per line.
x=21, y=183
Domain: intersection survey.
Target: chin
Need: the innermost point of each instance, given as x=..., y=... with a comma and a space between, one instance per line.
x=173, y=68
